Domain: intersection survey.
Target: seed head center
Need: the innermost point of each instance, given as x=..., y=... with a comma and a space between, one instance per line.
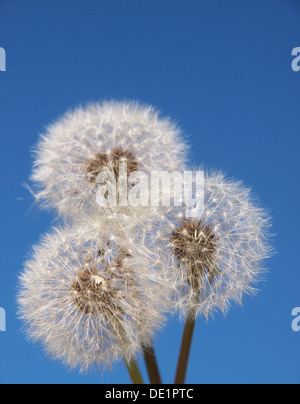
x=111, y=161
x=194, y=244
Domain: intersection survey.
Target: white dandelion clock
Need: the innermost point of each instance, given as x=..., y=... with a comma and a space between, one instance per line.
x=91, y=300
x=101, y=147
x=219, y=256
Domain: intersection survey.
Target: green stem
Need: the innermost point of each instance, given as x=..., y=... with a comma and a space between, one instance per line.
x=185, y=350
x=152, y=366
x=134, y=372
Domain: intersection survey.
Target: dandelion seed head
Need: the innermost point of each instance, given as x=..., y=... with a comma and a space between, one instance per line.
x=91, y=300
x=95, y=138
x=220, y=256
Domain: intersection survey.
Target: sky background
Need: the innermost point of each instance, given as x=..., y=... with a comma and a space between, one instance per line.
x=222, y=70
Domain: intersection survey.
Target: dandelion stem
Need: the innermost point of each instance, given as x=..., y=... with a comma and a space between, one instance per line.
x=134, y=372
x=185, y=350
x=152, y=366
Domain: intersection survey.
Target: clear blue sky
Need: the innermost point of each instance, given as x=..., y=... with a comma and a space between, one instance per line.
x=222, y=69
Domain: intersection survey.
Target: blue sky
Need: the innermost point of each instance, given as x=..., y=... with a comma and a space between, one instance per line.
x=222, y=70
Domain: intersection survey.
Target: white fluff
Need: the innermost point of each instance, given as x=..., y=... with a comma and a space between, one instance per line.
x=241, y=232
x=86, y=307
x=65, y=150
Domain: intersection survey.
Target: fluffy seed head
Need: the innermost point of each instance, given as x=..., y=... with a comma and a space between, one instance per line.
x=91, y=298
x=76, y=148
x=219, y=256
